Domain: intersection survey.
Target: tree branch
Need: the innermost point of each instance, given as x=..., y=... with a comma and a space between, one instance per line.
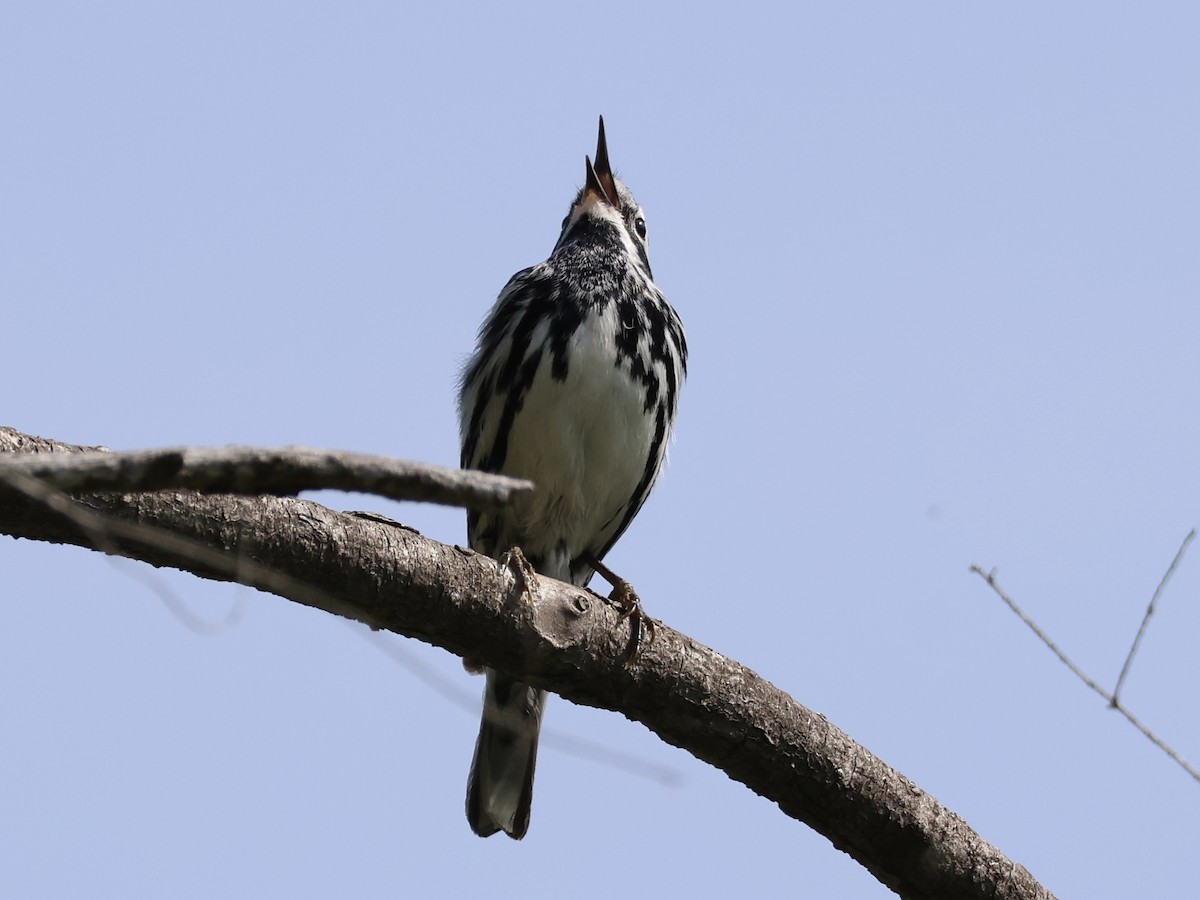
x=257, y=470
x=1113, y=700
x=565, y=639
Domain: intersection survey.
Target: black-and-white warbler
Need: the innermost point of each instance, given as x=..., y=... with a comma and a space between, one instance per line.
x=574, y=385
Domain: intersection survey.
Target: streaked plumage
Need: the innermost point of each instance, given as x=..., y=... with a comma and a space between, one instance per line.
x=574, y=384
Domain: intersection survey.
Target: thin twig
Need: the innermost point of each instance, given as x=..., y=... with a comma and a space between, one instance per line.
x=175, y=604
x=990, y=578
x=1149, y=612
x=1158, y=742
x=104, y=531
x=452, y=691
x=255, y=470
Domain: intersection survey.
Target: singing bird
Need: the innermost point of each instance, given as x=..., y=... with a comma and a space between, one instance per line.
x=573, y=384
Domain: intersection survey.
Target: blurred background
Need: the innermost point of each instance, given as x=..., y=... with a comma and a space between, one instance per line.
x=938, y=269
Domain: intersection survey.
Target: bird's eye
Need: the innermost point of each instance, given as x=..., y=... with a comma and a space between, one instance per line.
x=639, y=225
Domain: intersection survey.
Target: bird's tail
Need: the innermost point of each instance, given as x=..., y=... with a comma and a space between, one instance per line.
x=500, y=788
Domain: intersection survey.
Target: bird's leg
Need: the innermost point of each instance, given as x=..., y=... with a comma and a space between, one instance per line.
x=524, y=573
x=527, y=582
x=629, y=605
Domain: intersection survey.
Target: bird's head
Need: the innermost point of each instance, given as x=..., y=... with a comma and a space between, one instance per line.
x=604, y=210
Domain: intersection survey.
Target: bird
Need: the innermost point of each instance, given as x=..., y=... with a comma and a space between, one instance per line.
x=573, y=384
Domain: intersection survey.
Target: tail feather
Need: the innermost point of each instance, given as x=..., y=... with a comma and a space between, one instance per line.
x=500, y=788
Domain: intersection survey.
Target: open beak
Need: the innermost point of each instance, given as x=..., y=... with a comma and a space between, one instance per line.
x=599, y=176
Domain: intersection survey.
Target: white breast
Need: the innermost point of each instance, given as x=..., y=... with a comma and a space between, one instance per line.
x=583, y=441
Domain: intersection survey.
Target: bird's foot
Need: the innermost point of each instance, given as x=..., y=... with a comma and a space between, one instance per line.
x=627, y=602
x=523, y=573
x=526, y=580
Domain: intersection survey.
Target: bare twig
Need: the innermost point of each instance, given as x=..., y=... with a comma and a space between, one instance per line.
x=105, y=533
x=254, y=470
x=1150, y=612
x=569, y=744
x=990, y=578
x=175, y=604
x=1156, y=740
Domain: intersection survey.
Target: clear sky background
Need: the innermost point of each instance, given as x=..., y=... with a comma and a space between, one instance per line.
x=938, y=268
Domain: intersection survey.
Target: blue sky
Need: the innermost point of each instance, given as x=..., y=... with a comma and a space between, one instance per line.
x=938, y=269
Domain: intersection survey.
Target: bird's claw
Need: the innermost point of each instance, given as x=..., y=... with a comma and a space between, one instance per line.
x=627, y=602
x=523, y=573
x=641, y=626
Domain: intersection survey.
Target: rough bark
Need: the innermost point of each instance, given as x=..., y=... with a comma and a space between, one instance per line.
x=258, y=470
x=550, y=634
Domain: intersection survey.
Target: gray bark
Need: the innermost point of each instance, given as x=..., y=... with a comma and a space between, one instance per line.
x=553, y=635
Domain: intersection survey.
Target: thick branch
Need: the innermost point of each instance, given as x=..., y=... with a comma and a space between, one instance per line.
x=571, y=642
